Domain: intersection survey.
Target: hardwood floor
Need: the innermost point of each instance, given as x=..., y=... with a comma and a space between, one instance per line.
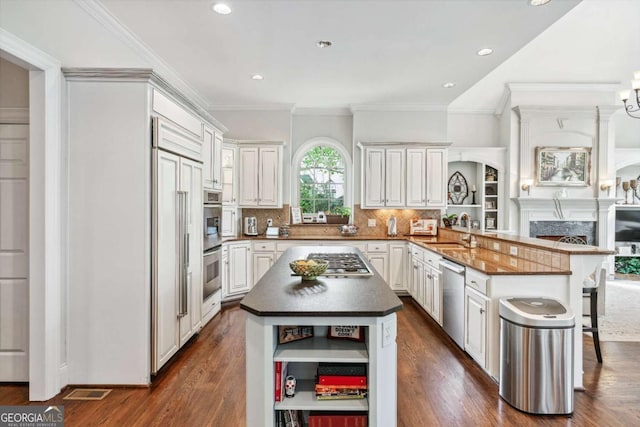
x=438, y=385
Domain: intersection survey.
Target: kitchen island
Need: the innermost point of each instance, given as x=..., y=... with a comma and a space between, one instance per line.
x=280, y=299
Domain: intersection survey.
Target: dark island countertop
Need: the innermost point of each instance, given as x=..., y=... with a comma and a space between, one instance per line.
x=278, y=293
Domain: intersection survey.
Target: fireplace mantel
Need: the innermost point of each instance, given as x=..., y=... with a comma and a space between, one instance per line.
x=568, y=209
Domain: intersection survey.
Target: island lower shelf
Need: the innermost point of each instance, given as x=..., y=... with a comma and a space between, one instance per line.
x=378, y=352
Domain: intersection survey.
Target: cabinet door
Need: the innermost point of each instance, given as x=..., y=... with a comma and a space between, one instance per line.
x=436, y=302
x=229, y=186
x=397, y=267
x=248, y=176
x=224, y=274
x=373, y=180
x=262, y=261
x=167, y=268
x=416, y=177
x=229, y=222
x=394, y=177
x=268, y=178
x=191, y=184
x=436, y=177
x=217, y=162
x=475, y=325
x=208, y=159
x=240, y=268
x=380, y=262
x=427, y=290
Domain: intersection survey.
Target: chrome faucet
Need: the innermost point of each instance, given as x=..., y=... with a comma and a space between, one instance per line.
x=468, y=238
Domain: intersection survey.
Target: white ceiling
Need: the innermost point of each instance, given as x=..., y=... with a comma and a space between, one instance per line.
x=396, y=52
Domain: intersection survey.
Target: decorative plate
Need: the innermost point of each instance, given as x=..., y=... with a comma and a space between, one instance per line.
x=458, y=190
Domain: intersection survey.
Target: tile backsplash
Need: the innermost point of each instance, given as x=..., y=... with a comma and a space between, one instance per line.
x=360, y=218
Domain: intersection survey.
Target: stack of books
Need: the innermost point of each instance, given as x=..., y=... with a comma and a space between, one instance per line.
x=341, y=381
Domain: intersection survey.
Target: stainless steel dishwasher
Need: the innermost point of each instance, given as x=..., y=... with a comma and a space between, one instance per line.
x=453, y=300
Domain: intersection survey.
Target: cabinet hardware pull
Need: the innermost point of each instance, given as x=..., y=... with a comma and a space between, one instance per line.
x=481, y=310
x=473, y=281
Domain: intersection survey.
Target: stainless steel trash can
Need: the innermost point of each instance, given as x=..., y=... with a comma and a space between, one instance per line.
x=536, y=355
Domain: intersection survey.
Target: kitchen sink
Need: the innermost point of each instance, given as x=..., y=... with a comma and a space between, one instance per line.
x=449, y=246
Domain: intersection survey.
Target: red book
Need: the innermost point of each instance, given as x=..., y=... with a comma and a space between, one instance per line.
x=342, y=380
x=278, y=381
x=332, y=419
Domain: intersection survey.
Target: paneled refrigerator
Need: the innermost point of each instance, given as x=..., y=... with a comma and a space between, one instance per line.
x=176, y=292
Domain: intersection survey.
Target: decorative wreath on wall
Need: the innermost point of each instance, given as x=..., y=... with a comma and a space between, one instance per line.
x=458, y=189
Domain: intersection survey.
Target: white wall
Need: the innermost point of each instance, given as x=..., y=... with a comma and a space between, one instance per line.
x=338, y=127
x=473, y=130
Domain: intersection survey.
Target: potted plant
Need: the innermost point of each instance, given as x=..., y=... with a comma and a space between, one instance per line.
x=449, y=220
x=339, y=215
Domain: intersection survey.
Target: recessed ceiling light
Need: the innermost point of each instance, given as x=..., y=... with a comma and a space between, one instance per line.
x=323, y=43
x=538, y=2
x=221, y=8
x=449, y=85
x=484, y=52
x=257, y=77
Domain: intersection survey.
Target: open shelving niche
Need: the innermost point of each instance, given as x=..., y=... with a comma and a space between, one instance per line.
x=487, y=197
x=378, y=352
x=303, y=357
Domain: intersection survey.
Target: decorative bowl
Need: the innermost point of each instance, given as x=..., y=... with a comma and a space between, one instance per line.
x=348, y=229
x=309, y=269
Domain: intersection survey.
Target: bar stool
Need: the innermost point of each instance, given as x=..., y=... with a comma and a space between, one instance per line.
x=592, y=293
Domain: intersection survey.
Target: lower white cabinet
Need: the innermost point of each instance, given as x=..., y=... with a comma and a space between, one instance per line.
x=433, y=293
x=264, y=256
x=475, y=325
x=378, y=254
x=239, y=272
x=398, y=266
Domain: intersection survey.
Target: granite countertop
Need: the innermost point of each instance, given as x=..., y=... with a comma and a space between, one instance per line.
x=489, y=262
x=278, y=293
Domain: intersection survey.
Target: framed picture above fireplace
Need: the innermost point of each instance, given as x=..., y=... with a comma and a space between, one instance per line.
x=559, y=166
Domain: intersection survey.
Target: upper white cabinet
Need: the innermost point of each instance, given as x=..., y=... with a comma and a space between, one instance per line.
x=212, y=159
x=436, y=177
x=229, y=184
x=260, y=176
x=400, y=175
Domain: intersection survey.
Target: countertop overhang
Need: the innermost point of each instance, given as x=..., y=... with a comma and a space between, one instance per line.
x=278, y=293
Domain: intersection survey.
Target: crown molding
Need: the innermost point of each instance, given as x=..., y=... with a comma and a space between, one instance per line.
x=102, y=15
x=397, y=107
x=470, y=110
x=16, y=116
x=311, y=111
x=564, y=87
x=253, y=107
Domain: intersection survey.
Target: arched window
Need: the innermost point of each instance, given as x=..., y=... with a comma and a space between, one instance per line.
x=321, y=176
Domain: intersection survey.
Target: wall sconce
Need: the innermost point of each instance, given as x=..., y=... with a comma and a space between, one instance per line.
x=526, y=185
x=606, y=185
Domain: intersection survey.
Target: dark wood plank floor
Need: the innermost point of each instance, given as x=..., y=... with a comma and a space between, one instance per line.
x=438, y=385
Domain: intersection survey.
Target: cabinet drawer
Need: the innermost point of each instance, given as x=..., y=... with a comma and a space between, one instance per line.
x=377, y=248
x=432, y=259
x=477, y=280
x=417, y=254
x=264, y=246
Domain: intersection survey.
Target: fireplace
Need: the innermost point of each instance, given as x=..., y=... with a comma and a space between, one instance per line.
x=557, y=230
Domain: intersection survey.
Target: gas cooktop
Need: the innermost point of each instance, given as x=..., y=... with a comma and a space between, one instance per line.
x=343, y=264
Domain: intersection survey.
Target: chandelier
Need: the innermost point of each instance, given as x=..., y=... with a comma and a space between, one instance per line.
x=632, y=109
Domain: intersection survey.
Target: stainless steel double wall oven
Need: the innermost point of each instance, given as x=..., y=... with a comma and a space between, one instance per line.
x=212, y=244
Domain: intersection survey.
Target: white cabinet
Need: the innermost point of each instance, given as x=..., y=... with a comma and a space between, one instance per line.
x=260, y=176
x=384, y=182
x=398, y=266
x=378, y=255
x=436, y=177
x=177, y=287
x=229, y=184
x=433, y=293
x=403, y=176
x=475, y=325
x=229, y=222
x=416, y=177
x=264, y=256
x=211, y=159
x=239, y=278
